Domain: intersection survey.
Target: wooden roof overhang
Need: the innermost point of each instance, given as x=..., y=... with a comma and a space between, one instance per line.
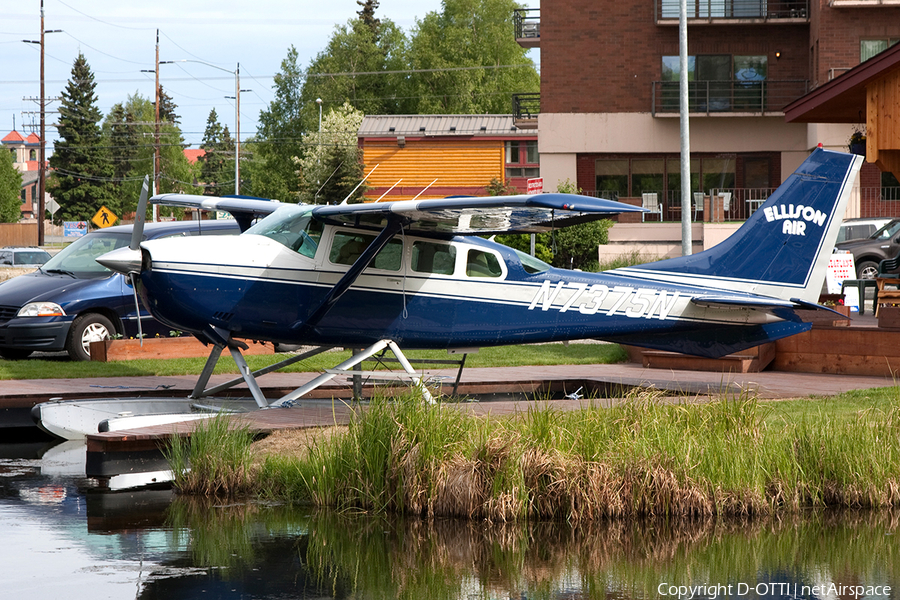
x=871, y=92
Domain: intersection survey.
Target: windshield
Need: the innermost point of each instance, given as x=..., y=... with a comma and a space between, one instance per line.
x=887, y=232
x=78, y=259
x=292, y=227
x=530, y=263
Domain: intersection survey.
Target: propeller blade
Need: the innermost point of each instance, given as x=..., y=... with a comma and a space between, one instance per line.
x=137, y=308
x=140, y=216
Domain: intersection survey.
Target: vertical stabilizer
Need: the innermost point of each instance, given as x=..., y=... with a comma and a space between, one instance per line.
x=782, y=250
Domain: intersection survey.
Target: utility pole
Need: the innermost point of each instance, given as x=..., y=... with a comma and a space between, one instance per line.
x=237, y=109
x=42, y=175
x=687, y=242
x=156, y=138
x=237, y=128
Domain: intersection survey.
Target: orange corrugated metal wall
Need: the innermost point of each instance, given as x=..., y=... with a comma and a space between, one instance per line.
x=466, y=166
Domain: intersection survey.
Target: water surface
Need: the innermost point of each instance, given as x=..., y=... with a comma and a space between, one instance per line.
x=62, y=538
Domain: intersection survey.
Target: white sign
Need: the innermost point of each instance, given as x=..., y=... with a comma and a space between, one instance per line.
x=535, y=186
x=840, y=267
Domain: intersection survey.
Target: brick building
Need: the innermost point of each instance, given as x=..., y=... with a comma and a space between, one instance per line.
x=25, y=159
x=609, y=102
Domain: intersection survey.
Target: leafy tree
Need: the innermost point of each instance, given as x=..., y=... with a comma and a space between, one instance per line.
x=499, y=187
x=10, y=189
x=81, y=168
x=363, y=64
x=469, y=33
x=573, y=247
x=130, y=131
x=330, y=166
x=217, y=162
x=271, y=170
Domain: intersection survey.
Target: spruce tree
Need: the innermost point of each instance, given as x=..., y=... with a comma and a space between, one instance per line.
x=216, y=144
x=81, y=168
x=167, y=108
x=10, y=189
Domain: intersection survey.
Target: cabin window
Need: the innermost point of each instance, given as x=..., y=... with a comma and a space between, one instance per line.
x=431, y=257
x=482, y=264
x=297, y=231
x=347, y=247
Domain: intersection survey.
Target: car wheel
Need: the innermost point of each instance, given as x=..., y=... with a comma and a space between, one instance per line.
x=13, y=354
x=867, y=269
x=86, y=329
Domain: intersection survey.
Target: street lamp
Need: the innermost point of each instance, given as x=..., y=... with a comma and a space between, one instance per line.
x=42, y=177
x=237, y=113
x=319, y=153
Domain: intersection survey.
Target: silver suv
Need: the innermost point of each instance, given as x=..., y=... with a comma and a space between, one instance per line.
x=20, y=256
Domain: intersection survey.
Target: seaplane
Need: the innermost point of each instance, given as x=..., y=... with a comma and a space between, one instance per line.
x=421, y=274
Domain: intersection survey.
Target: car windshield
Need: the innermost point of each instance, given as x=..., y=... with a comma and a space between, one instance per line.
x=888, y=231
x=79, y=259
x=30, y=257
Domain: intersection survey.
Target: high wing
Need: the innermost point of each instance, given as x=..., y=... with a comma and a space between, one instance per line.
x=444, y=217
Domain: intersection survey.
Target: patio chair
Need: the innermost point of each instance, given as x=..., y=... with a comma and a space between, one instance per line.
x=887, y=276
x=650, y=201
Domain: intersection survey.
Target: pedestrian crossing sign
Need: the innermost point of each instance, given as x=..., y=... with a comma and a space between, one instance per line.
x=104, y=217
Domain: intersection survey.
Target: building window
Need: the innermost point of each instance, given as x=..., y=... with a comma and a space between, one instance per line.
x=611, y=178
x=869, y=48
x=647, y=176
x=890, y=187
x=32, y=155
x=716, y=82
x=522, y=159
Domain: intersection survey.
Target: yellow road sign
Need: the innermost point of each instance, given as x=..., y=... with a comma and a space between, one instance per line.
x=104, y=217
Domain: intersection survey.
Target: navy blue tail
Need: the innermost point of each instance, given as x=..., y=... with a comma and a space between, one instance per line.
x=782, y=249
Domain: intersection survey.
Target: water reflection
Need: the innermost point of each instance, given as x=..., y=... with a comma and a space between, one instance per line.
x=336, y=555
x=62, y=538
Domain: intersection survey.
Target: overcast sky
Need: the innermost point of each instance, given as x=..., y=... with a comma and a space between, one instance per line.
x=118, y=38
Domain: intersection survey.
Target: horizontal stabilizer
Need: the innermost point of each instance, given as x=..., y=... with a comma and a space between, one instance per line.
x=714, y=342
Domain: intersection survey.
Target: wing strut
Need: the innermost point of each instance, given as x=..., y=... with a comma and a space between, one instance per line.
x=345, y=368
x=248, y=377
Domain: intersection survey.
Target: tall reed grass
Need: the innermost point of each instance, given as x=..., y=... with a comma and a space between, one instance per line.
x=215, y=460
x=642, y=457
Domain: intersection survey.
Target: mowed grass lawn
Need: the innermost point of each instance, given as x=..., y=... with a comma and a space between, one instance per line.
x=505, y=356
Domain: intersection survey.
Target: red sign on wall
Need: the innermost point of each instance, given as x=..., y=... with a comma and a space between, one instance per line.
x=536, y=186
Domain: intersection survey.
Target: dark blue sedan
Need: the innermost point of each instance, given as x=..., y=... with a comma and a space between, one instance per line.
x=72, y=300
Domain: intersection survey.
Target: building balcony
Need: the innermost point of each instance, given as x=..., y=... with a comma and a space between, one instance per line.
x=740, y=12
x=862, y=3
x=527, y=22
x=727, y=98
x=525, y=110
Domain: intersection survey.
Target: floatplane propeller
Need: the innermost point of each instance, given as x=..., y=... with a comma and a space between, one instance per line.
x=418, y=274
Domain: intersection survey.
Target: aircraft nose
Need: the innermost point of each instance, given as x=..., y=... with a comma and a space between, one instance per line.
x=124, y=260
